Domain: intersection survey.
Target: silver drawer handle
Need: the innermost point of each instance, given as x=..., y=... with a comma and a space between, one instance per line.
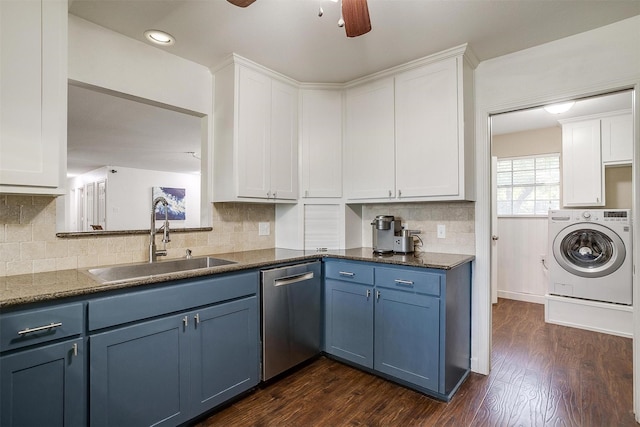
x=40, y=328
x=403, y=282
x=346, y=273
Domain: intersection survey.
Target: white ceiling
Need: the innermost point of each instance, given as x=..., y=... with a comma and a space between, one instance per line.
x=289, y=37
x=538, y=118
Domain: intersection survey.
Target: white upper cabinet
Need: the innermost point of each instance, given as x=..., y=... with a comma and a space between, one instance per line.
x=33, y=96
x=255, y=135
x=582, y=173
x=369, y=135
x=428, y=149
x=617, y=139
x=321, y=144
x=409, y=133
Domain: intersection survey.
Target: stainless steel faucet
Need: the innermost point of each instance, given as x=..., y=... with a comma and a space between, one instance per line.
x=153, y=253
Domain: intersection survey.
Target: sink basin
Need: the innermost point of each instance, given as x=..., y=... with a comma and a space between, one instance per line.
x=137, y=271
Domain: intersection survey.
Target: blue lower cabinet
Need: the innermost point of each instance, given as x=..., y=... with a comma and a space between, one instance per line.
x=169, y=370
x=44, y=386
x=139, y=375
x=349, y=321
x=407, y=337
x=411, y=325
x=224, y=353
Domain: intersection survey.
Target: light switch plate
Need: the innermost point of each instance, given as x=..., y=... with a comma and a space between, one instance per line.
x=264, y=229
x=442, y=231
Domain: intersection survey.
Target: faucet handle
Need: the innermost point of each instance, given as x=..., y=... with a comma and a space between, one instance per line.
x=188, y=254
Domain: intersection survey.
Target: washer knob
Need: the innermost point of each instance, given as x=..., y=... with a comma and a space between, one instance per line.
x=586, y=215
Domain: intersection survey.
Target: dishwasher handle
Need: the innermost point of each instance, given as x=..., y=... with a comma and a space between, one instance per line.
x=283, y=281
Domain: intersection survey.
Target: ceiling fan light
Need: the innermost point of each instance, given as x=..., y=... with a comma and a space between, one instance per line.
x=160, y=37
x=558, y=108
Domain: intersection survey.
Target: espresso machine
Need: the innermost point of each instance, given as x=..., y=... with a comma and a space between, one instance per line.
x=388, y=236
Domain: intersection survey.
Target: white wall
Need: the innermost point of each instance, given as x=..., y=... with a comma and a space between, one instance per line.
x=105, y=59
x=129, y=197
x=593, y=62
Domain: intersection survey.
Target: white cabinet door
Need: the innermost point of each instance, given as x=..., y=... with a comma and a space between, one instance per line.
x=581, y=164
x=254, y=130
x=284, y=141
x=321, y=143
x=617, y=139
x=427, y=140
x=33, y=91
x=369, y=141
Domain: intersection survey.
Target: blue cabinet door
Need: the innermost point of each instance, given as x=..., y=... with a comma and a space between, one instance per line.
x=44, y=386
x=407, y=337
x=224, y=348
x=139, y=374
x=349, y=321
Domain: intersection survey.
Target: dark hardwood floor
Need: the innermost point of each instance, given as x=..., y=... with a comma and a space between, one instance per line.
x=542, y=375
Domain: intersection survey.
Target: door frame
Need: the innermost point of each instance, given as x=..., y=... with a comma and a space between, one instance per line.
x=481, y=293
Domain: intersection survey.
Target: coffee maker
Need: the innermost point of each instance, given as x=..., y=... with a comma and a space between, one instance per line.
x=384, y=229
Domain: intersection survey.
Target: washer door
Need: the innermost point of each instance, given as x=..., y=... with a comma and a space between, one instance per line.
x=589, y=250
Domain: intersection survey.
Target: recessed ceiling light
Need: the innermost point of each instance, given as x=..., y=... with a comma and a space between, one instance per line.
x=160, y=37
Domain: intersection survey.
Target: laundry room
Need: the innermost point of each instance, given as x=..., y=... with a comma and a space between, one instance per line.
x=576, y=163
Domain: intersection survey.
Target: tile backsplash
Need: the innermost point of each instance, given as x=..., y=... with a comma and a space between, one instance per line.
x=28, y=242
x=458, y=219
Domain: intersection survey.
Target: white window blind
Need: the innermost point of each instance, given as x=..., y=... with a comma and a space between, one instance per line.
x=529, y=185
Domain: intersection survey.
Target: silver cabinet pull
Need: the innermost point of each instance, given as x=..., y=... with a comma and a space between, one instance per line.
x=403, y=282
x=197, y=318
x=268, y=194
x=185, y=321
x=399, y=193
x=390, y=193
x=368, y=293
x=275, y=194
x=40, y=328
x=346, y=273
x=75, y=349
x=377, y=295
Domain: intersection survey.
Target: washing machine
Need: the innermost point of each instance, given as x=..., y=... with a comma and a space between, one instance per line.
x=590, y=254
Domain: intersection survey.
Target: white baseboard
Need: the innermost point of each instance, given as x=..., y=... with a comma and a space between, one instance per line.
x=519, y=296
x=594, y=316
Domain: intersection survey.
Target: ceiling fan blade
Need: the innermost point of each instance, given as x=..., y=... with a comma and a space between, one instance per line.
x=356, y=17
x=241, y=3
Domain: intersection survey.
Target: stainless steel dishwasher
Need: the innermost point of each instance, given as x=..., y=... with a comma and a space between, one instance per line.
x=291, y=304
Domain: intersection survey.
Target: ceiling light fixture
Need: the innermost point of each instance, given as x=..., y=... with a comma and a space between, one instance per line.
x=558, y=108
x=160, y=37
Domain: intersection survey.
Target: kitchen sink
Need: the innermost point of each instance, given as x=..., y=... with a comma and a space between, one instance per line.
x=138, y=271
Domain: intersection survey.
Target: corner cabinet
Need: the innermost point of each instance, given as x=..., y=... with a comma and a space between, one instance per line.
x=255, y=134
x=409, y=134
x=33, y=96
x=410, y=325
x=321, y=144
x=617, y=140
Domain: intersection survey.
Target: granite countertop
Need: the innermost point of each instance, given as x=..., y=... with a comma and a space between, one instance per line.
x=30, y=288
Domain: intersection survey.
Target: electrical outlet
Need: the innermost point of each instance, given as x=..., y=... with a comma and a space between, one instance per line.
x=442, y=231
x=264, y=229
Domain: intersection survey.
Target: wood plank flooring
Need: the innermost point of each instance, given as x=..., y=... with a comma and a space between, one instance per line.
x=542, y=375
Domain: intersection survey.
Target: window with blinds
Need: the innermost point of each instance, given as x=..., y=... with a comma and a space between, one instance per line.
x=528, y=186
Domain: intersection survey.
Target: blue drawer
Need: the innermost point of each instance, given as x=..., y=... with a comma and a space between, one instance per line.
x=409, y=280
x=35, y=326
x=349, y=271
x=138, y=305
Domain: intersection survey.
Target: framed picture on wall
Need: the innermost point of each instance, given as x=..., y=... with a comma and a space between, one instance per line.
x=176, y=202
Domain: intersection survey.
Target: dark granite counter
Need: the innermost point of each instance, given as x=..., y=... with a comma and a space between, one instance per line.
x=30, y=288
